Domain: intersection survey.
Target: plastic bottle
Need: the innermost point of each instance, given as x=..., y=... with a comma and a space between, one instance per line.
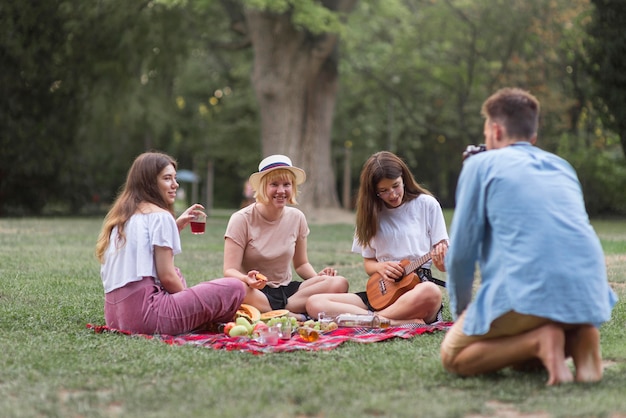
x=361, y=321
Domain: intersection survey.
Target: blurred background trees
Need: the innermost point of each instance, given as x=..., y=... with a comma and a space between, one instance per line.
x=88, y=85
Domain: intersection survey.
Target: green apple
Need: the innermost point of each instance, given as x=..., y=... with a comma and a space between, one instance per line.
x=243, y=321
x=238, y=331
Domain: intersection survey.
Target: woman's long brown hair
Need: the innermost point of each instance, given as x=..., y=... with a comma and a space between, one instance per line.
x=141, y=186
x=382, y=165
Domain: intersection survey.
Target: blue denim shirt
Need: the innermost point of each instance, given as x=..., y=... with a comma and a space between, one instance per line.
x=520, y=219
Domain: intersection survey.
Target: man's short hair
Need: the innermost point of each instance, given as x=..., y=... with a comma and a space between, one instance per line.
x=516, y=109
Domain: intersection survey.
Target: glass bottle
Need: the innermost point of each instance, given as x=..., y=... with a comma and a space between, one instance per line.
x=309, y=334
x=369, y=320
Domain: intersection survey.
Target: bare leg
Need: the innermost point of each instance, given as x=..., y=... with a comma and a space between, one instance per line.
x=257, y=299
x=583, y=344
x=546, y=343
x=316, y=285
x=335, y=303
x=418, y=305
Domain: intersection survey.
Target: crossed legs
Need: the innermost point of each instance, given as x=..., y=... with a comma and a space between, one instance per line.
x=419, y=305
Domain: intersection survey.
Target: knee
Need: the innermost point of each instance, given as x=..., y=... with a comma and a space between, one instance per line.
x=242, y=288
x=314, y=305
x=450, y=361
x=239, y=289
x=431, y=293
x=239, y=286
x=344, y=285
x=338, y=284
x=447, y=361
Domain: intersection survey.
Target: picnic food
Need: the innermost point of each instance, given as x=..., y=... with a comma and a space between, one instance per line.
x=238, y=331
x=250, y=312
x=261, y=277
x=243, y=321
x=285, y=323
x=259, y=326
x=228, y=326
x=274, y=314
x=244, y=326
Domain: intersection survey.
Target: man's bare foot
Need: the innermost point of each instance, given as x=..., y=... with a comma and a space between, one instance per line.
x=551, y=352
x=583, y=344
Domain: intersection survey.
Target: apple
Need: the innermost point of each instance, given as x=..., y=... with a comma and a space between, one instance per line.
x=238, y=331
x=228, y=326
x=243, y=321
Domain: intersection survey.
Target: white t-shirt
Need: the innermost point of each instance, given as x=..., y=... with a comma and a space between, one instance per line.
x=406, y=232
x=135, y=260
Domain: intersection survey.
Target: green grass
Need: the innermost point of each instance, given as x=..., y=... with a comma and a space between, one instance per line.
x=52, y=366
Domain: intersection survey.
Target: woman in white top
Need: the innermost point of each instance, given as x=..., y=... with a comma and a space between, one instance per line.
x=144, y=291
x=396, y=221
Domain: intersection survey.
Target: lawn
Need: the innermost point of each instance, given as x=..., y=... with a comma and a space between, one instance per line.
x=51, y=365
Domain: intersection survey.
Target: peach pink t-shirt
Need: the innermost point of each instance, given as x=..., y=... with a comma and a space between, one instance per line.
x=268, y=246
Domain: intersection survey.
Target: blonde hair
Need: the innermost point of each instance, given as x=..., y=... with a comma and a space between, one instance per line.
x=279, y=174
x=141, y=186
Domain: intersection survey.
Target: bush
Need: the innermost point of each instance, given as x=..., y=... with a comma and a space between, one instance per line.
x=603, y=176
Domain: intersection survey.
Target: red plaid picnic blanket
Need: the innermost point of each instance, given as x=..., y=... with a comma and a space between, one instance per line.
x=326, y=341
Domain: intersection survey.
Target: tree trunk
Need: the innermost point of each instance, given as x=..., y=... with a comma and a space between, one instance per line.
x=295, y=78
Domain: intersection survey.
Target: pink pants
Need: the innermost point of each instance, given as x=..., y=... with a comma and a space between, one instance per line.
x=143, y=307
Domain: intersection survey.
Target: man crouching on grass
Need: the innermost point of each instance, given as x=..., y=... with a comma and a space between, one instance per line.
x=544, y=291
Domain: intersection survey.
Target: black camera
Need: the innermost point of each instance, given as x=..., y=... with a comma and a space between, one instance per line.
x=473, y=149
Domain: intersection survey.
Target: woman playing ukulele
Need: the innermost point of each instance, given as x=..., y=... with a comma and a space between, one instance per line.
x=396, y=221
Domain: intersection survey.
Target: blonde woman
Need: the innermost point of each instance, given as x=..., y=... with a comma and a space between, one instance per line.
x=263, y=241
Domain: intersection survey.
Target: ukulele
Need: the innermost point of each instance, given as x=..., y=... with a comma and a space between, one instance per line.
x=382, y=293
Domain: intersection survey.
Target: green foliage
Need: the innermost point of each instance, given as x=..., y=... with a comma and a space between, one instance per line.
x=123, y=69
x=598, y=160
x=215, y=112
x=414, y=81
x=39, y=86
x=310, y=15
x=603, y=176
x=134, y=106
x=87, y=89
x=606, y=48
x=89, y=85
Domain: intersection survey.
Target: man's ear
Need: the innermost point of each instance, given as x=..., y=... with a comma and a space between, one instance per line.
x=498, y=131
x=533, y=139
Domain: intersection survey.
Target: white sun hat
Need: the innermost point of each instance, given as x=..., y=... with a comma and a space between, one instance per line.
x=274, y=162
